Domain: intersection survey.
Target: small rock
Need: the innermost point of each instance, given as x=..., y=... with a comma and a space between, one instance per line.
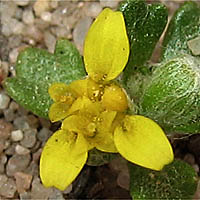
x=13, y=55
x=16, y=135
x=33, y=32
x=110, y=4
x=10, y=150
x=196, y=168
x=46, y=16
x=25, y=196
x=189, y=158
x=123, y=180
x=4, y=100
x=5, y=129
x=13, y=106
x=44, y=134
x=17, y=163
x=23, y=181
x=36, y=155
x=56, y=194
x=21, y=2
x=18, y=28
x=61, y=31
x=9, y=115
x=28, y=17
x=40, y=6
x=29, y=139
x=32, y=169
x=8, y=188
x=68, y=189
x=80, y=31
x=45, y=123
x=21, y=123
x=50, y=41
x=2, y=145
x=38, y=191
x=3, y=160
x=33, y=121
x=21, y=150
x=194, y=45
x=93, y=9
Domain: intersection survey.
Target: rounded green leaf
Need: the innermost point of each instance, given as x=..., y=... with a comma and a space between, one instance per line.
x=177, y=180
x=37, y=69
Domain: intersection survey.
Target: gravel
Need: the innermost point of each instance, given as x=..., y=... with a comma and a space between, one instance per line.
x=22, y=134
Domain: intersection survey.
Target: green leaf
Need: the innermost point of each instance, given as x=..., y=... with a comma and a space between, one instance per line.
x=37, y=69
x=184, y=26
x=172, y=96
x=145, y=24
x=177, y=180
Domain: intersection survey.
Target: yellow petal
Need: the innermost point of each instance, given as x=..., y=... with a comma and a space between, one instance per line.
x=104, y=137
x=106, y=47
x=141, y=141
x=74, y=123
x=58, y=111
x=62, y=159
x=79, y=87
x=114, y=98
x=58, y=90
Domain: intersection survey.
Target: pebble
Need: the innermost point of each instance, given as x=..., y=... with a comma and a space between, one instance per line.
x=50, y=41
x=28, y=17
x=21, y=123
x=123, y=179
x=5, y=129
x=196, y=168
x=13, y=55
x=46, y=16
x=38, y=191
x=33, y=32
x=7, y=187
x=21, y=150
x=25, y=196
x=56, y=194
x=10, y=150
x=40, y=6
x=4, y=69
x=23, y=181
x=80, y=31
x=29, y=139
x=21, y=2
x=3, y=160
x=13, y=106
x=4, y=100
x=93, y=9
x=16, y=135
x=61, y=32
x=2, y=145
x=110, y=4
x=189, y=158
x=18, y=28
x=33, y=121
x=44, y=134
x=17, y=163
x=15, y=41
x=9, y=115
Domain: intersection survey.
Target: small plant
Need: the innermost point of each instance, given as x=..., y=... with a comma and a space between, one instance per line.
x=113, y=113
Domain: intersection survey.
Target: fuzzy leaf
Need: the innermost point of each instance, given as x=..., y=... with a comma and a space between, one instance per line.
x=145, y=24
x=172, y=96
x=184, y=26
x=37, y=69
x=177, y=180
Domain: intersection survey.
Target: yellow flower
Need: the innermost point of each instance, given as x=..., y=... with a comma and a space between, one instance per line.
x=93, y=111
